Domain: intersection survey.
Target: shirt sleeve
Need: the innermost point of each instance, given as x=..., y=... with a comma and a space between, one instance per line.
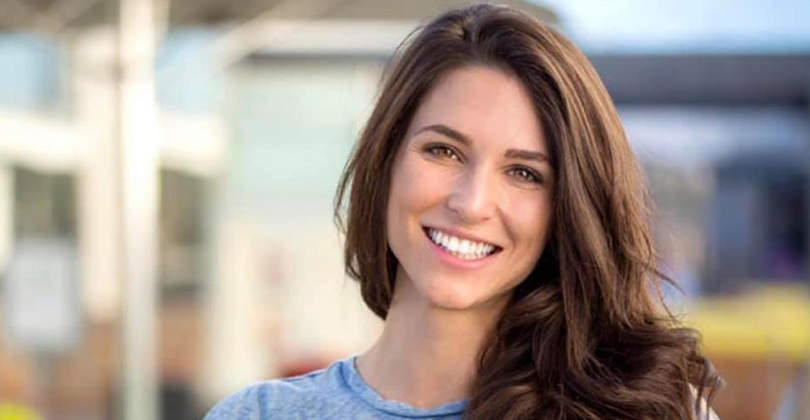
x=243, y=405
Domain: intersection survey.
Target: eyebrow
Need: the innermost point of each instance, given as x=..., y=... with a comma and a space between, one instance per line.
x=464, y=139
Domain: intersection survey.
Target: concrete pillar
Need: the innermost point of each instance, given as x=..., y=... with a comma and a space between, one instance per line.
x=138, y=160
x=99, y=230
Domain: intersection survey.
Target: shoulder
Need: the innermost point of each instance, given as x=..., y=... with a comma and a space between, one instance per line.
x=279, y=398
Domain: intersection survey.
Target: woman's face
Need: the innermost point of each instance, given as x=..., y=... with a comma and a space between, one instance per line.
x=471, y=191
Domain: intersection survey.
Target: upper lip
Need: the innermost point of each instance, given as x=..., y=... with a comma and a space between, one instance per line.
x=462, y=235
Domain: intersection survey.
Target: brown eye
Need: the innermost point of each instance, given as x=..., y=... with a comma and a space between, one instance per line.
x=526, y=175
x=443, y=152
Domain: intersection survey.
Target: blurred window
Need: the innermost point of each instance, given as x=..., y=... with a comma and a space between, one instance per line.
x=183, y=205
x=731, y=185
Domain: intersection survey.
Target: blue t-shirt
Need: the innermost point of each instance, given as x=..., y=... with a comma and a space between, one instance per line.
x=337, y=392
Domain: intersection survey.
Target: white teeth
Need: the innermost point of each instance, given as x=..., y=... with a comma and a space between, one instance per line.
x=453, y=246
x=462, y=248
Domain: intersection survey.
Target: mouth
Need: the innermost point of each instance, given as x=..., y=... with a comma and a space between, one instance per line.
x=465, y=249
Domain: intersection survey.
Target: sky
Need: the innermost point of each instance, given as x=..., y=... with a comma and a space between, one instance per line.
x=686, y=25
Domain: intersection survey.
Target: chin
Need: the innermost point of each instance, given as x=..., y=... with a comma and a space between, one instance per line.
x=451, y=296
x=455, y=303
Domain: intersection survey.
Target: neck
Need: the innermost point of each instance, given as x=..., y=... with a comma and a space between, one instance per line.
x=426, y=356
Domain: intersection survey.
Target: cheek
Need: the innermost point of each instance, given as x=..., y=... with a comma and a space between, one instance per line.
x=405, y=201
x=415, y=187
x=414, y=192
x=531, y=220
x=530, y=225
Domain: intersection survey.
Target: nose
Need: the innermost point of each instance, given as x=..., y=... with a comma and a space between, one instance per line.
x=473, y=198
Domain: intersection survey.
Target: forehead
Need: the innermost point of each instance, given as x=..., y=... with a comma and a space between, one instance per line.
x=485, y=103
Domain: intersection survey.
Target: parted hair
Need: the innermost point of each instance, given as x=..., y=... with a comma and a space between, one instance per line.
x=586, y=335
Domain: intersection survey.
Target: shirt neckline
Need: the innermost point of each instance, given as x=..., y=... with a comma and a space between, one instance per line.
x=358, y=385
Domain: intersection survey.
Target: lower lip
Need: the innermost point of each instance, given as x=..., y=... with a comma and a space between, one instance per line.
x=456, y=262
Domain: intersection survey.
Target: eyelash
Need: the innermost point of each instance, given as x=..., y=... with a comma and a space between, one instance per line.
x=441, y=151
x=435, y=149
x=530, y=175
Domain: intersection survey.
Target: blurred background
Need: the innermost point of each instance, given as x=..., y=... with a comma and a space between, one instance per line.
x=167, y=169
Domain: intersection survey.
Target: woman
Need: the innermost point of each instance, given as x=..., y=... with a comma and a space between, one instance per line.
x=496, y=220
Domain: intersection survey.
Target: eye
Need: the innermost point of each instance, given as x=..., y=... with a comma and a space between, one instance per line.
x=526, y=175
x=443, y=152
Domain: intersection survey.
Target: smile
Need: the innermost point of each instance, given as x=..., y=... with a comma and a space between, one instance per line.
x=462, y=248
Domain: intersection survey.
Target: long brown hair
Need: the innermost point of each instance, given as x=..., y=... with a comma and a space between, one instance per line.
x=584, y=336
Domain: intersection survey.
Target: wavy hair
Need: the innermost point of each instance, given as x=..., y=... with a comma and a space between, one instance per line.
x=584, y=336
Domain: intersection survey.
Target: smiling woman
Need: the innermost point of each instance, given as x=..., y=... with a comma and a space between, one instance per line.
x=460, y=184
x=497, y=221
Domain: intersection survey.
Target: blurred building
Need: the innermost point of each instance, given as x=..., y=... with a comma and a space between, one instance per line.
x=725, y=141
